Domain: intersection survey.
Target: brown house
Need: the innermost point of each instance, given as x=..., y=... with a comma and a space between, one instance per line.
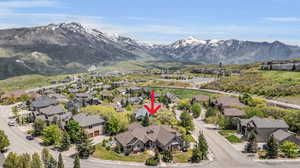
x=139, y=138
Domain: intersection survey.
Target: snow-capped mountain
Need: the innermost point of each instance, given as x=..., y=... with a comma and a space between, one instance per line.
x=72, y=47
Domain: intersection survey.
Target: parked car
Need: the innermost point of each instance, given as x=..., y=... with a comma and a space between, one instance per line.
x=29, y=137
x=11, y=123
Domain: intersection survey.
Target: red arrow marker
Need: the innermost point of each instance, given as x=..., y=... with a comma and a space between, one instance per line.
x=153, y=109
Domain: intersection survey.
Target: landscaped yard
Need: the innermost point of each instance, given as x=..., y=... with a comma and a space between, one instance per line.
x=104, y=154
x=182, y=157
x=229, y=135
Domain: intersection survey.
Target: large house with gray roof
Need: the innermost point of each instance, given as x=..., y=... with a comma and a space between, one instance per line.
x=93, y=125
x=263, y=128
x=139, y=138
x=42, y=102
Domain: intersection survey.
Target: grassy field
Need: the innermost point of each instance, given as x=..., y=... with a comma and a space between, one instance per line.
x=183, y=94
x=104, y=154
x=27, y=82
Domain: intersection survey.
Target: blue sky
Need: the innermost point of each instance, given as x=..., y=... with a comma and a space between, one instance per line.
x=164, y=21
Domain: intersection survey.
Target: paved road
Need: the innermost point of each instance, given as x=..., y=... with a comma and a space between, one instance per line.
x=273, y=102
x=226, y=156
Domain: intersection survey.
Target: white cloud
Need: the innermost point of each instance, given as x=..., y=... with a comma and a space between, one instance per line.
x=283, y=19
x=27, y=4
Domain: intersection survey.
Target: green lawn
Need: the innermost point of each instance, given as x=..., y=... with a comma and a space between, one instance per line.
x=229, y=135
x=233, y=139
x=27, y=82
x=182, y=157
x=104, y=154
x=226, y=132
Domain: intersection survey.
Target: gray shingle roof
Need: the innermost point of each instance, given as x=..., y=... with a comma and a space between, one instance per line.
x=52, y=110
x=281, y=135
x=269, y=123
x=161, y=133
x=85, y=120
x=233, y=112
x=141, y=113
x=230, y=101
x=43, y=101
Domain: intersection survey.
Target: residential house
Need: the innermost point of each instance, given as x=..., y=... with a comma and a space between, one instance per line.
x=140, y=113
x=51, y=112
x=135, y=100
x=42, y=102
x=139, y=138
x=134, y=90
x=200, y=98
x=281, y=135
x=229, y=102
x=233, y=112
x=172, y=98
x=262, y=127
x=93, y=125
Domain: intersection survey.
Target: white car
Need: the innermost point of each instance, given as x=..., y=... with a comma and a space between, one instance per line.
x=11, y=123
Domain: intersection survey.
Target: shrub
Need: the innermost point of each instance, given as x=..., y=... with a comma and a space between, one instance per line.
x=152, y=161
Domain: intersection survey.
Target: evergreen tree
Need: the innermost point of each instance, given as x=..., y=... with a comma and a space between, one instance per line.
x=251, y=146
x=24, y=161
x=65, y=142
x=186, y=121
x=167, y=156
x=60, y=163
x=196, y=155
x=85, y=147
x=272, y=148
x=4, y=142
x=202, y=146
x=76, y=162
x=36, y=161
x=146, y=121
x=196, y=110
x=46, y=156
x=38, y=127
x=11, y=161
x=52, y=163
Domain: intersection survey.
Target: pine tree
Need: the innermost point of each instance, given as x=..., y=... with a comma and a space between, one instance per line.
x=24, y=161
x=65, y=142
x=4, y=142
x=45, y=155
x=85, y=147
x=52, y=163
x=251, y=146
x=272, y=148
x=196, y=155
x=60, y=163
x=202, y=146
x=76, y=162
x=167, y=156
x=146, y=121
x=11, y=161
x=36, y=161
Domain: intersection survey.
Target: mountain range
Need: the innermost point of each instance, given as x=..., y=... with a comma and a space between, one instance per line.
x=72, y=47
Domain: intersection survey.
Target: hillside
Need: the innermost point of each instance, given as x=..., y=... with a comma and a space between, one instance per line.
x=72, y=48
